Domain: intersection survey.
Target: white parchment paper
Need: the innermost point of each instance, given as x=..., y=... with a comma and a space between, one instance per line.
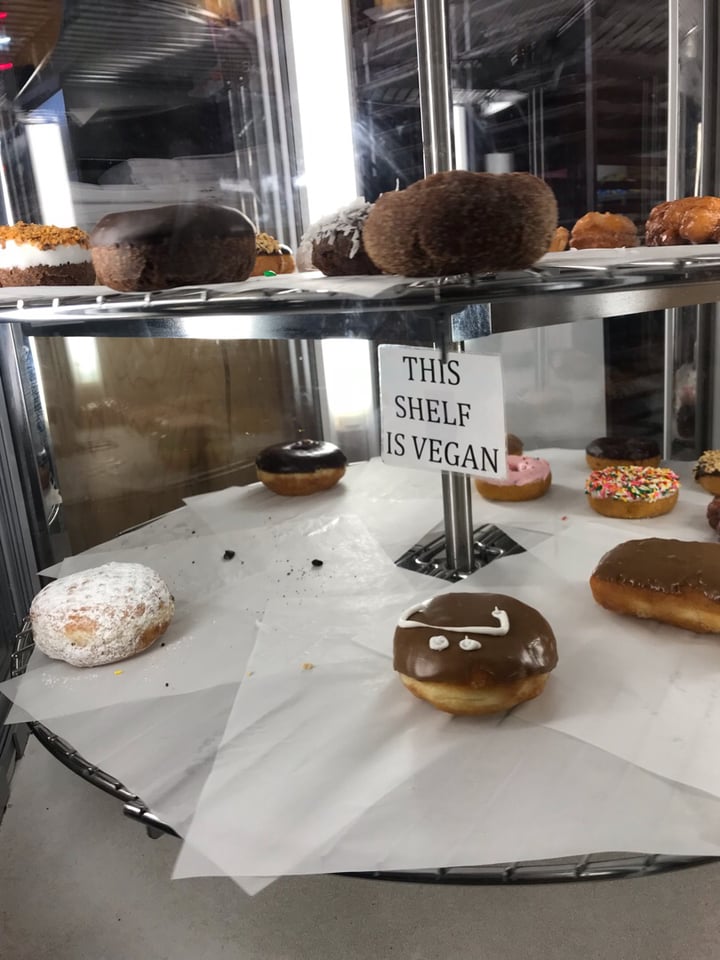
x=374, y=779
x=217, y=604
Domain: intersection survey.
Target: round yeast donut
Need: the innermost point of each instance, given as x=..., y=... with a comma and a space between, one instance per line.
x=622, y=452
x=713, y=513
x=474, y=653
x=707, y=471
x=632, y=493
x=527, y=478
x=603, y=230
x=462, y=222
x=300, y=468
x=101, y=615
x=337, y=243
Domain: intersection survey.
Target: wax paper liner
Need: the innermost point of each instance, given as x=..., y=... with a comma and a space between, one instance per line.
x=217, y=603
x=644, y=691
x=373, y=779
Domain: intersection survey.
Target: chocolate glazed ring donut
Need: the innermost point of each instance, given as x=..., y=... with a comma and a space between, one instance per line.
x=474, y=653
x=300, y=468
x=622, y=452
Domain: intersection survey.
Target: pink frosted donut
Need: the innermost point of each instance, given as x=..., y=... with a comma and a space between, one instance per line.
x=527, y=478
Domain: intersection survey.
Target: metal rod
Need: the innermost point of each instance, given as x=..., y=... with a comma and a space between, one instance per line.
x=436, y=118
x=434, y=84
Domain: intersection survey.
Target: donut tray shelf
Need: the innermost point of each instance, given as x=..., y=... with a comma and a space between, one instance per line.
x=426, y=557
x=560, y=289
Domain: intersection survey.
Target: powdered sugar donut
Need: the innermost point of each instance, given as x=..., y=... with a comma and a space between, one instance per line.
x=527, y=478
x=101, y=615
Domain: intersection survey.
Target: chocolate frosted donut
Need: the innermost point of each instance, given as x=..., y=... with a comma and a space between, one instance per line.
x=301, y=467
x=622, y=452
x=474, y=653
x=707, y=471
x=673, y=581
x=462, y=222
x=173, y=246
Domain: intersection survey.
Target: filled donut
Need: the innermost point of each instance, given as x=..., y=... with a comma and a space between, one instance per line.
x=101, y=615
x=300, y=468
x=474, y=653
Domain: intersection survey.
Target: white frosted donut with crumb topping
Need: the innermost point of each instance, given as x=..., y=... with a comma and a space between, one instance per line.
x=101, y=615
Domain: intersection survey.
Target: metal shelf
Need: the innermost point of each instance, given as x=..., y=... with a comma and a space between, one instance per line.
x=560, y=289
x=594, y=866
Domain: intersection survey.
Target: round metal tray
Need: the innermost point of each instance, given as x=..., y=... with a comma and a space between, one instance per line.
x=594, y=866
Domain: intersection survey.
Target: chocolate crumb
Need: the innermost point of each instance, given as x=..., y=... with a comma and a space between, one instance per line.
x=317, y=563
x=228, y=555
x=167, y=684
x=162, y=644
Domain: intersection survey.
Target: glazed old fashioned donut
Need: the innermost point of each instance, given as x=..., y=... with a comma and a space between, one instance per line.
x=560, y=240
x=603, y=230
x=688, y=220
x=622, y=452
x=462, y=222
x=632, y=493
x=101, y=615
x=300, y=468
x=474, y=653
x=527, y=478
x=707, y=471
x=672, y=581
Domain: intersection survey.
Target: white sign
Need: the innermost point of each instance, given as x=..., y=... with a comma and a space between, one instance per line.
x=442, y=415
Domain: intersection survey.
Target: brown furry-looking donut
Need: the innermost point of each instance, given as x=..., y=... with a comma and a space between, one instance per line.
x=462, y=222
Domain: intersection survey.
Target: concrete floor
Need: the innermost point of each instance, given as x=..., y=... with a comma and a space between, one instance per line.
x=80, y=882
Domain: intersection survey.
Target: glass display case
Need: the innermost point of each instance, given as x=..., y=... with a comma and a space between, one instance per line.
x=118, y=407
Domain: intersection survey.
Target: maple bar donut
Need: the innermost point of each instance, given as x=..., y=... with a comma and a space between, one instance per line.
x=32, y=255
x=689, y=220
x=462, y=222
x=271, y=255
x=173, y=246
x=527, y=478
x=622, y=452
x=337, y=242
x=300, y=468
x=474, y=653
x=603, y=230
x=101, y=615
x=632, y=493
x=672, y=581
x=707, y=471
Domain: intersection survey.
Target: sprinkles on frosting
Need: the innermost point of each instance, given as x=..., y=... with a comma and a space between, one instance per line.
x=631, y=484
x=348, y=221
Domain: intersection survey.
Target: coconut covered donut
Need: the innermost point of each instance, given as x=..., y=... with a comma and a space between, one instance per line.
x=462, y=222
x=101, y=615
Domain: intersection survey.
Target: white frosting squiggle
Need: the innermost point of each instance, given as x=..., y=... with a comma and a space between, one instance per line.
x=468, y=644
x=405, y=622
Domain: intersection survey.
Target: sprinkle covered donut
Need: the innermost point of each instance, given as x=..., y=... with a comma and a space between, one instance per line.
x=632, y=493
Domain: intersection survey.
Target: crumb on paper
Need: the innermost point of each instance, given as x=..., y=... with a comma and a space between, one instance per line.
x=250, y=673
x=118, y=672
x=228, y=555
x=317, y=563
x=308, y=666
x=563, y=518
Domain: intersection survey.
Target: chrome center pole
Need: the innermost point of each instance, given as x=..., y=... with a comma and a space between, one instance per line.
x=436, y=119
